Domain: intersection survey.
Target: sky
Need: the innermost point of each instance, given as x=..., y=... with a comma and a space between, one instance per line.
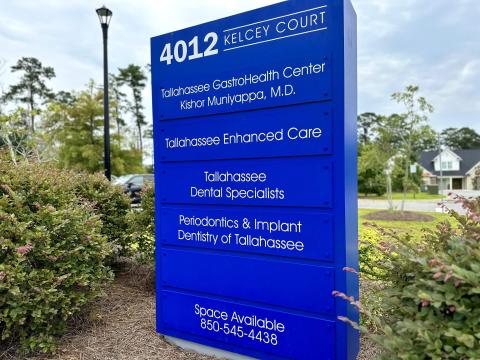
x=431, y=43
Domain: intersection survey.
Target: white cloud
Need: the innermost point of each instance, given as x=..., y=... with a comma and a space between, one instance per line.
x=430, y=43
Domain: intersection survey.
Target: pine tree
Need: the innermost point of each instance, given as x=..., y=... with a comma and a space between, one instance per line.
x=117, y=104
x=134, y=77
x=32, y=88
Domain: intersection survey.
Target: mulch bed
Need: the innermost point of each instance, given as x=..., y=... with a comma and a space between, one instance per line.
x=121, y=326
x=387, y=215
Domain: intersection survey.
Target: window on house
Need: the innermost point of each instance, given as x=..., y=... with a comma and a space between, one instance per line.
x=447, y=165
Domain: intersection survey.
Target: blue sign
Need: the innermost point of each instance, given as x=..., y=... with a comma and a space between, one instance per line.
x=255, y=176
x=295, y=234
x=244, y=278
x=267, y=332
x=236, y=136
x=302, y=182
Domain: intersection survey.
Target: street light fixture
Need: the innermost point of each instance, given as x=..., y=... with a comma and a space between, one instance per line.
x=105, y=15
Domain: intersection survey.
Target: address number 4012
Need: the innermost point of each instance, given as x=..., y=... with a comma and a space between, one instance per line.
x=191, y=51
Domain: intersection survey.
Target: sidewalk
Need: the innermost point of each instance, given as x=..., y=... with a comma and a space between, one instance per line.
x=410, y=205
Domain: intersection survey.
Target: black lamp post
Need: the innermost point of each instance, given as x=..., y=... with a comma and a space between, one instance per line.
x=105, y=15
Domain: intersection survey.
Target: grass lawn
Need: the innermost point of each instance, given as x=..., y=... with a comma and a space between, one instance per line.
x=399, y=196
x=413, y=227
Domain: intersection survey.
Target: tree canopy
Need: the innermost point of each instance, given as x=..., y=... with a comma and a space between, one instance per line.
x=461, y=138
x=67, y=126
x=31, y=88
x=76, y=130
x=134, y=77
x=388, y=145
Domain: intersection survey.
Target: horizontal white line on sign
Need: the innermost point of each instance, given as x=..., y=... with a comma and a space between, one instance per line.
x=280, y=38
x=279, y=17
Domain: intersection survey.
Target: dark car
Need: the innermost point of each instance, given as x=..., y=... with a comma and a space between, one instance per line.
x=133, y=184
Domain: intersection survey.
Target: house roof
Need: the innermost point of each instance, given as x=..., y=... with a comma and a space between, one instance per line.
x=451, y=152
x=470, y=158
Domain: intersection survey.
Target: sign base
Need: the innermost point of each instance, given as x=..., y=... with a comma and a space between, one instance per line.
x=205, y=350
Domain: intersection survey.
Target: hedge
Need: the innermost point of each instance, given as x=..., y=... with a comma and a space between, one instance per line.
x=55, y=228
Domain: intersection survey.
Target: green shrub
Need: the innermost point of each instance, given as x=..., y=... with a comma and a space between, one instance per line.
x=370, y=253
x=111, y=204
x=142, y=231
x=432, y=293
x=52, y=253
x=371, y=171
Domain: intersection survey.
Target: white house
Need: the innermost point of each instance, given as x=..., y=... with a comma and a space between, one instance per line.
x=458, y=168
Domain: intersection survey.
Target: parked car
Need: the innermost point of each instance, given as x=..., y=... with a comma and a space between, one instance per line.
x=133, y=184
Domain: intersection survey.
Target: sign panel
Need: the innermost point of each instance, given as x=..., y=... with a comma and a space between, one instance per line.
x=268, y=133
x=246, y=278
x=304, y=181
x=276, y=333
x=255, y=176
x=242, y=62
x=246, y=90
x=296, y=234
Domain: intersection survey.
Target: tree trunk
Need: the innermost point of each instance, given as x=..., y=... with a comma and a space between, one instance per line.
x=406, y=175
x=32, y=109
x=118, y=130
x=117, y=119
x=12, y=150
x=405, y=184
x=140, y=141
x=139, y=125
x=92, y=136
x=389, y=192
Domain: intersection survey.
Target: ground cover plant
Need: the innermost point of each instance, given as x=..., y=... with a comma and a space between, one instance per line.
x=414, y=226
